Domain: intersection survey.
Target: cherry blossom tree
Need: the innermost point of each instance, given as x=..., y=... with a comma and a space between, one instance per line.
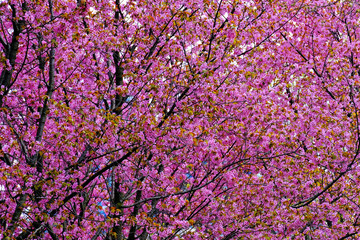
x=172, y=119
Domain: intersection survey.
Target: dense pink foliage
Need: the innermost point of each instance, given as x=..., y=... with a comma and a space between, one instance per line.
x=179, y=119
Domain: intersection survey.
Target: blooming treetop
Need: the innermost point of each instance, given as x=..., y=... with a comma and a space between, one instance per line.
x=172, y=119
